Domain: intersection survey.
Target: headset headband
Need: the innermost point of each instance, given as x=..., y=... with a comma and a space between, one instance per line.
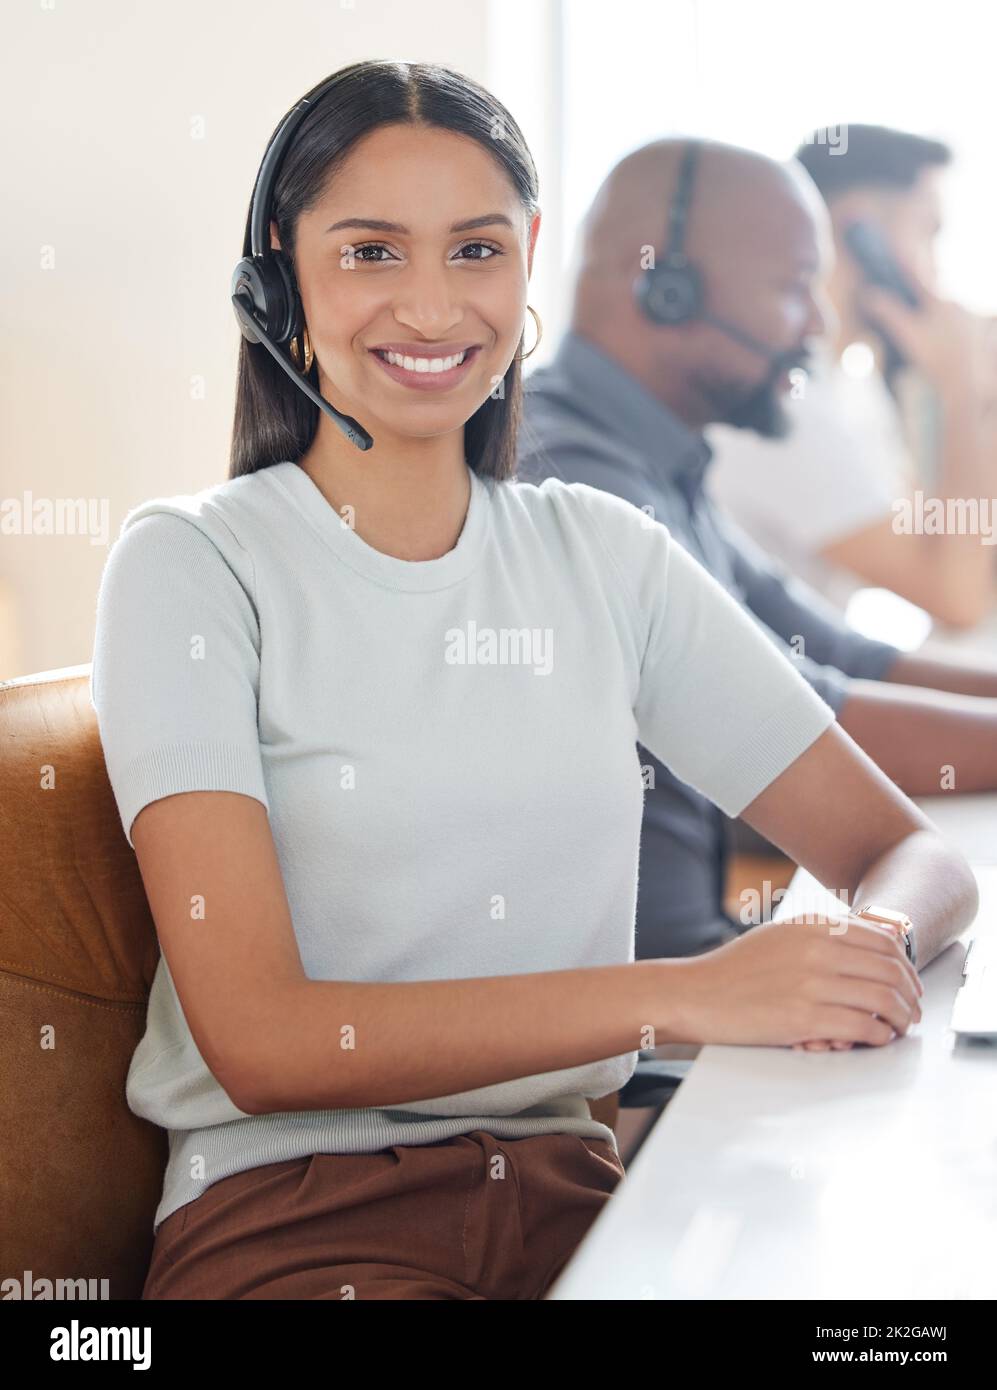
x=679, y=212
x=263, y=292
x=259, y=223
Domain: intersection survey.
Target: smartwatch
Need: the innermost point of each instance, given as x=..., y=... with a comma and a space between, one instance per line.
x=899, y=921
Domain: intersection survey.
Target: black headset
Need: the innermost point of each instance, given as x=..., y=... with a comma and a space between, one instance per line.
x=264, y=291
x=671, y=291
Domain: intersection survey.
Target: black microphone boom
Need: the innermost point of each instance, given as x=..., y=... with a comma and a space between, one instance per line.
x=353, y=430
x=742, y=336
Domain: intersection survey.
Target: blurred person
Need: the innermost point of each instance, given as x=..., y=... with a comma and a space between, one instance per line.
x=623, y=406
x=840, y=496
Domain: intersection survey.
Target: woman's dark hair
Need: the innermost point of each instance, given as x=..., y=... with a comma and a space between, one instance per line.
x=275, y=421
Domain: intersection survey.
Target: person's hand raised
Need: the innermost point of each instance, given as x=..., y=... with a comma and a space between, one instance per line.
x=943, y=340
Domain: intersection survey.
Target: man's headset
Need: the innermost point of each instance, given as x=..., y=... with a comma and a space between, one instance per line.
x=264, y=291
x=671, y=291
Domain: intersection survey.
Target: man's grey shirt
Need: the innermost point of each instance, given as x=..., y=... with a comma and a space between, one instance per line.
x=587, y=420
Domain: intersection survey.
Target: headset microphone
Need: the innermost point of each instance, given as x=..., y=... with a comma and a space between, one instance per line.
x=740, y=335
x=353, y=430
x=671, y=292
x=263, y=290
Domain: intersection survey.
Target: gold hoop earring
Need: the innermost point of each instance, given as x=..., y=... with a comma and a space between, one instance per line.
x=309, y=353
x=540, y=333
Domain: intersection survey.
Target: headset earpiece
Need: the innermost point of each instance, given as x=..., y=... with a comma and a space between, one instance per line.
x=269, y=282
x=671, y=293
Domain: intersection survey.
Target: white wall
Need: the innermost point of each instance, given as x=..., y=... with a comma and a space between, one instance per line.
x=766, y=74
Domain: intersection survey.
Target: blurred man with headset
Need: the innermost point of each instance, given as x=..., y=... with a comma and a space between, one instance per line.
x=664, y=341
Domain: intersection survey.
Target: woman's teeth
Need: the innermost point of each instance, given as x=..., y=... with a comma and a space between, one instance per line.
x=423, y=364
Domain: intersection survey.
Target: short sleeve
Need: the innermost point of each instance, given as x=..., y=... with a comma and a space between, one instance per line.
x=717, y=702
x=175, y=674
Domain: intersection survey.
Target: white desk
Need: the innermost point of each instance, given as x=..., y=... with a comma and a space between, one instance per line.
x=968, y=821
x=777, y=1174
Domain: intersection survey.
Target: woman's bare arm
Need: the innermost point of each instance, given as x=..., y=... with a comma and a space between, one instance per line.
x=277, y=1040
x=274, y=1038
x=837, y=814
x=924, y=739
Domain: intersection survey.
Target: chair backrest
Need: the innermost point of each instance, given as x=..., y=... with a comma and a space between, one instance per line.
x=80, y=1175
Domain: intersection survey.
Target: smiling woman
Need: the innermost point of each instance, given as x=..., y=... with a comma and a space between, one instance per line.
x=384, y=316
x=381, y=774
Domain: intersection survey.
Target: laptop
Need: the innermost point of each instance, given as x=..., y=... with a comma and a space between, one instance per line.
x=974, y=1012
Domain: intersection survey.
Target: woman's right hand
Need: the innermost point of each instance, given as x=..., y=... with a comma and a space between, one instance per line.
x=839, y=981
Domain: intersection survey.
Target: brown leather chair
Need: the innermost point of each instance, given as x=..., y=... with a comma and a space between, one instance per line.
x=80, y=1175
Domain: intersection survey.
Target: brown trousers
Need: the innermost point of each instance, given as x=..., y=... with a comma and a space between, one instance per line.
x=470, y=1217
